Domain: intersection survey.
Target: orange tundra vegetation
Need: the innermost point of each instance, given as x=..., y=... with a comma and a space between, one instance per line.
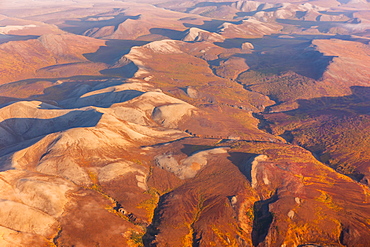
x=160, y=123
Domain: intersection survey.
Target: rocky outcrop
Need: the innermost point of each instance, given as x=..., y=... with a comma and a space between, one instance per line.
x=198, y=35
x=231, y=68
x=354, y=60
x=44, y=193
x=114, y=170
x=250, y=27
x=8, y=29
x=247, y=46
x=170, y=115
x=150, y=140
x=26, y=219
x=249, y=6
x=163, y=47
x=189, y=167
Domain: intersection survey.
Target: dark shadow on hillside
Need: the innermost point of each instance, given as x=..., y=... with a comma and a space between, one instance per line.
x=274, y=55
x=169, y=33
x=322, y=26
x=190, y=149
x=64, y=88
x=211, y=26
x=215, y=62
x=208, y=4
x=309, y=245
x=101, y=100
x=271, y=42
x=262, y=219
x=113, y=51
x=300, y=14
x=356, y=103
x=245, y=14
x=112, y=54
x=126, y=71
x=232, y=43
x=311, y=64
x=331, y=118
x=344, y=1
x=251, y=13
x=6, y=154
x=19, y=133
x=9, y=37
x=75, y=87
x=244, y=163
x=84, y=24
x=152, y=230
x=4, y=101
x=345, y=13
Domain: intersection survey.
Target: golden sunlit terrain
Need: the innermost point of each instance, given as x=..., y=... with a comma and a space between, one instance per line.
x=185, y=123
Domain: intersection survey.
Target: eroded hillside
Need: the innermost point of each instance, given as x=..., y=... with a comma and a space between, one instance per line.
x=167, y=123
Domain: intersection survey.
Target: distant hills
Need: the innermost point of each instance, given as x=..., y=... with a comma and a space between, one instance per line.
x=191, y=123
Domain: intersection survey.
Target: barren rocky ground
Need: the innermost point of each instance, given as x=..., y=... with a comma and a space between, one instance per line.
x=184, y=123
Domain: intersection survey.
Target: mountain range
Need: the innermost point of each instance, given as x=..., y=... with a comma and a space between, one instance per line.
x=192, y=123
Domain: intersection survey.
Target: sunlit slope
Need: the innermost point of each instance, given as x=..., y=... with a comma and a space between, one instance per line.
x=51, y=55
x=166, y=123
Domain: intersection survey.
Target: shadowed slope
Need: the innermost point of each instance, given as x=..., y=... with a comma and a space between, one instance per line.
x=25, y=59
x=334, y=128
x=15, y=131
x=176, y=155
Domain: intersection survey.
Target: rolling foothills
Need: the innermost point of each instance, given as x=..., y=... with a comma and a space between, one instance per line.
x=185, y=123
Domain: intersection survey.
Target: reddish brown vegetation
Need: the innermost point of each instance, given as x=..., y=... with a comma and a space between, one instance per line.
x=133, y=137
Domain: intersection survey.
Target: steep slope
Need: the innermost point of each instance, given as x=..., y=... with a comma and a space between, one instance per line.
x=144, y=22
x=271, y=188
x=87, y=157
x=21, y=27
x=349, y=66
x=323, y=68
x=46, y=57
x=199, y=35
x=336, y=129
x=174, y=68
x=248, y=28
x=251, y=131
